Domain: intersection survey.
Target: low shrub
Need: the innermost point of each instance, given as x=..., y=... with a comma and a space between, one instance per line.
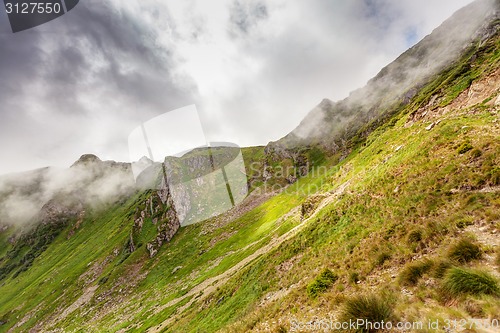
x=458, y=281
x=370, y=308
x=322, y=282
x=465, y=251
x=410, y=275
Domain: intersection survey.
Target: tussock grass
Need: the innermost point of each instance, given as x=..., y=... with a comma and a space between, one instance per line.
x=494, y=176
x=414, y=236
x=465, y=251
x=464, y=222
x=371, y=308
x=382, y=257
x=440, y=268
x=410, y=275
x=459, y=281
x=436, y=230
x=476, y=153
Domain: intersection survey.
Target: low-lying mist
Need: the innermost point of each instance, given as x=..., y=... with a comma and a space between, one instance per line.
x=93, y=183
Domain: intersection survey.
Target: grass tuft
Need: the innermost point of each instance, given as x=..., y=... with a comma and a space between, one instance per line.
x=494, y=176
x=464, y=222
x=476, y=153
x=458, y=281
x=382, y=257
x=440, y=269
x=465, y=251
x=354, y=277
x=414, y=236
x=414, y=271
x=370, y=308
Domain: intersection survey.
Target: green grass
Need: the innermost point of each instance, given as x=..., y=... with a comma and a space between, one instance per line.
x=398, y=205
x=369, y=215
x=255, y=227
x=465, y=251
x=414, y=271
x=5, y=245
x=321, y=283
x=459, y=281
x=54, y=274
x=440, y=268
x=415, y=236
x=464, y=147
x=371, y=308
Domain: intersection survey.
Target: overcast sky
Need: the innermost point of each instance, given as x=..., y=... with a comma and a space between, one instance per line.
x=83, y=82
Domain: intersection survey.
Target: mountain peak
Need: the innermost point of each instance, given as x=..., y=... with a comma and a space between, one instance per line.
x=87, y=159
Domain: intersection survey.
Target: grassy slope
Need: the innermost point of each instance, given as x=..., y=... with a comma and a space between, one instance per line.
x=426, y=187
x=392, y=192
x=58, y=277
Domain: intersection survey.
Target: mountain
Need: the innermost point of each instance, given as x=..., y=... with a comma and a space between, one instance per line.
x=387, y=211
x=332, y=123
x=89, y=177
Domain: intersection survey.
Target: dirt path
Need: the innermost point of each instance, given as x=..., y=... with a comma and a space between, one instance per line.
x=208, y=286
x=82, y=300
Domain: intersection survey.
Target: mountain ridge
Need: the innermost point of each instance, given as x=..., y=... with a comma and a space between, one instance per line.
x=399, y=81
x=383, y=220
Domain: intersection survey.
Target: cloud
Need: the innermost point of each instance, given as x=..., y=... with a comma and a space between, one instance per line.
x=244, y=15
x=22, y=195
x=259, y=75
x=399, y=79
x=81, y=83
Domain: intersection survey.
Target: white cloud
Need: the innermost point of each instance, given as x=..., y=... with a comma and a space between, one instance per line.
x=254, y=68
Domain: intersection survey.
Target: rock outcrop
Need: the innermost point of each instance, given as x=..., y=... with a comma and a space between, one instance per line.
x=158, y=209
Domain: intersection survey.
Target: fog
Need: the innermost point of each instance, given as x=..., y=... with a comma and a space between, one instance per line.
x=81, y=83
x=401, y=79
x=94, y=184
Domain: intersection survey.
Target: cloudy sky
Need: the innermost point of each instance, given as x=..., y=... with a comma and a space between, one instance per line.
x=83, y=82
